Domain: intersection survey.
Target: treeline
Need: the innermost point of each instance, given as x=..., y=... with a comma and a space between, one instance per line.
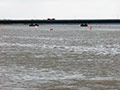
x=59, y=21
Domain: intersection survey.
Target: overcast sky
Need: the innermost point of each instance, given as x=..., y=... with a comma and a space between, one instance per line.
x=59, y=9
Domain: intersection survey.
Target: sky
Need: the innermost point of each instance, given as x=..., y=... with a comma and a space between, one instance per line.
x=60, y=9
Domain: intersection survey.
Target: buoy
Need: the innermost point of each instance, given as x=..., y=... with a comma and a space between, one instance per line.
x=90, y=27
x=51, y=29
x=36, y=27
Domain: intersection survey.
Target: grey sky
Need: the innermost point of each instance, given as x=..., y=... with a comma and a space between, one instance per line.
x=60, y=9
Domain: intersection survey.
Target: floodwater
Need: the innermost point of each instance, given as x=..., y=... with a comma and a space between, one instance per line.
x=60, y=57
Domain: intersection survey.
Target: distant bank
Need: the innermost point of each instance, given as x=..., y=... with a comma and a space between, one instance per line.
x=92, y=21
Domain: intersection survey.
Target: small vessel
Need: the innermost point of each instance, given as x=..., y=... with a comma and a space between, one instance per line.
x=84, y=25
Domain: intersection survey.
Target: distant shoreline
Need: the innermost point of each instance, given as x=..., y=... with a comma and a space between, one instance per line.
x=79, y=21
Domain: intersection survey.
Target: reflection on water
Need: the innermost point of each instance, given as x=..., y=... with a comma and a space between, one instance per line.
x=69, y=57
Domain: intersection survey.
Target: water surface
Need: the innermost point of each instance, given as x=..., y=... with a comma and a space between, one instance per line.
x=69, y=57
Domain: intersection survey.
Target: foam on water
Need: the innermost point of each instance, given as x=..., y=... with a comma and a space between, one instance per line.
x=98, y=49
x=45, y=75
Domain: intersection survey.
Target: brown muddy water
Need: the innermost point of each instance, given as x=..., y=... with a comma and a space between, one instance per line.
x=69, y=57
